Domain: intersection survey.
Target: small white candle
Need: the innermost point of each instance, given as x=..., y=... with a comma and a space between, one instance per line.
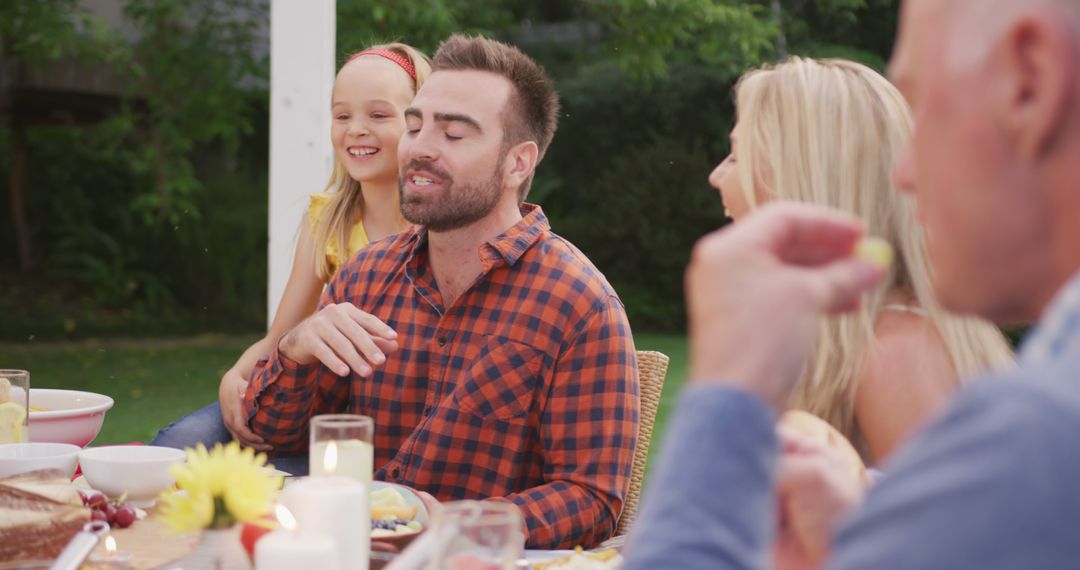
x=288, y=548
x=113, y=558
x=336, y=507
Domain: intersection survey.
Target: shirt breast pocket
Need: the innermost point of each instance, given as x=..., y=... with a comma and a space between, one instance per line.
x=501, y=382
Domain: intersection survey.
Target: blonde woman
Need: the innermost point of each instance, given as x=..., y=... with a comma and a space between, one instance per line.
x=359, y=205
x=827, y=132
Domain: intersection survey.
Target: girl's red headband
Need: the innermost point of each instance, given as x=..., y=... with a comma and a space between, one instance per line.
x=402, y=61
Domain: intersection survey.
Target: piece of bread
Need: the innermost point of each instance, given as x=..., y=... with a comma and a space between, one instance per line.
x=49, y=484
x=38, y=516
x=822, y=432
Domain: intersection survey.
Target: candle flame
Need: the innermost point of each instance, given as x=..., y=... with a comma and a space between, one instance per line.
x=330, y=459
x=285, y=517
x=110, y=545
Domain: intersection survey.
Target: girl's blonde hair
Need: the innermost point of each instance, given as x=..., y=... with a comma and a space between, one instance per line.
x=827, y=132
x=346, y=201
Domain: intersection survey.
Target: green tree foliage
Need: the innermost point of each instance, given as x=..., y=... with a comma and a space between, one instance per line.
x=420, y=23
x=635, y=198
x=193, y=72
x=123, y=207
x=647, y=35
x=156, y=217
x=37, y=31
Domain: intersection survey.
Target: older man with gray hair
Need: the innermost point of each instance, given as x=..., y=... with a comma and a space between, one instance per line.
x=994, y=164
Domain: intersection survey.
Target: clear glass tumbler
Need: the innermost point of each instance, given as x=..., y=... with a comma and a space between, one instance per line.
x=341, y=444
x=476, y=535
x=14, y=405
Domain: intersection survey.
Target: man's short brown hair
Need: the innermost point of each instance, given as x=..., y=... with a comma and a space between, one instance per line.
x=532, y=113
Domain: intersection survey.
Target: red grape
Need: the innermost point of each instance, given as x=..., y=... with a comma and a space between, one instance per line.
x=124, y=516
x=98, y=516
x=96, y=500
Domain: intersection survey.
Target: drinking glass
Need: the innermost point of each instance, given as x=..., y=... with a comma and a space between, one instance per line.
x=476, y=535
x=14, y=405
x=341, y=444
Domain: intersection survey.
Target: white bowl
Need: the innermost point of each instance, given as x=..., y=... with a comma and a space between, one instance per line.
x=142, y=471
x=19, y=458
x=70, y=416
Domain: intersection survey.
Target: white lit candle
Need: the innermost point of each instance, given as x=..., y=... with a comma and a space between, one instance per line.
x=350, y=457
x=336, y=507
x=288, y=549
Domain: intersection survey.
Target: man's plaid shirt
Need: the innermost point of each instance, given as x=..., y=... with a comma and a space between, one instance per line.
x=525, y=389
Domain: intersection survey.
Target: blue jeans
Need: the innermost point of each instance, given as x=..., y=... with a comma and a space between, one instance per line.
x=207, y=426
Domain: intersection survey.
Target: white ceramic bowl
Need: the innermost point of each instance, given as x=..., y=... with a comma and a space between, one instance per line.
x=140, y=470
x=70, y=416
x=18, y=458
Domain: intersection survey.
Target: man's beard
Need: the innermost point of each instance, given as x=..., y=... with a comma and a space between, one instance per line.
x=456, y=206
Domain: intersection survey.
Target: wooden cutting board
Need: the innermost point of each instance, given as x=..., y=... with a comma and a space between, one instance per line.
x=150, y=543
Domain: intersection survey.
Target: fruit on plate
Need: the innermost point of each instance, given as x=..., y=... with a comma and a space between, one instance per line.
x=391, y=526
x=39, y=513
x=391, y=515
x=388, y=502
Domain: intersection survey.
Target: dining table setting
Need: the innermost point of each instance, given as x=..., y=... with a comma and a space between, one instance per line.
x=66, y=505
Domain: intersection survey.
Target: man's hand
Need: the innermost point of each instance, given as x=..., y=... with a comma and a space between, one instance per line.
x=342, y=337
x=756, y=293
x=816, y=488
x=231, y=397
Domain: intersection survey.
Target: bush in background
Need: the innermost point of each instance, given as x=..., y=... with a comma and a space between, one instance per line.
x=636, y=197
x=153, y=222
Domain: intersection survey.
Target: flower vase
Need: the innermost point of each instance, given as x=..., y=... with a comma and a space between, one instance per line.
x=219, y=549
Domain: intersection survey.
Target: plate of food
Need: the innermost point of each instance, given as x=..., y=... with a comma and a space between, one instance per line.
x=398, y=515
x=578, y=559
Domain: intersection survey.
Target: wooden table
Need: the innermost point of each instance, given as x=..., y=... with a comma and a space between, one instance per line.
x=153, y=546
x=150, y=543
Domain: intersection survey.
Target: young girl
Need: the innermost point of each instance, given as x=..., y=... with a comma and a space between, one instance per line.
x=827, y=132
x=359, y=205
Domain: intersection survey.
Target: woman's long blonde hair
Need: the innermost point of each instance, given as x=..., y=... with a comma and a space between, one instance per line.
x=827, y=132
x=346, y=201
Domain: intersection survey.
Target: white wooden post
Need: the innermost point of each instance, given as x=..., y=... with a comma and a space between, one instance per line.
x=302, y=62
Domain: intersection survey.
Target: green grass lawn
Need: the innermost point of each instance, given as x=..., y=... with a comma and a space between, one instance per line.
x=156, y=381
x=152, y=381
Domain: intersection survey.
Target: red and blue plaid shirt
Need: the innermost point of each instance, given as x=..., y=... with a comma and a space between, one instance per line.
x=524, y=390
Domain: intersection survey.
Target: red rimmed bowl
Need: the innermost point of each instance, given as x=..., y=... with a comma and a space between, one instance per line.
x=66, y=416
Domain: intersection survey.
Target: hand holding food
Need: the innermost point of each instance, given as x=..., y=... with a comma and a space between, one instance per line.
x=821, y=478
x=817, y=430
x=784, y=263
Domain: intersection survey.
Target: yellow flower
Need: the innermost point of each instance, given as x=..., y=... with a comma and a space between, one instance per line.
x=218, y=488
x=188, y=510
